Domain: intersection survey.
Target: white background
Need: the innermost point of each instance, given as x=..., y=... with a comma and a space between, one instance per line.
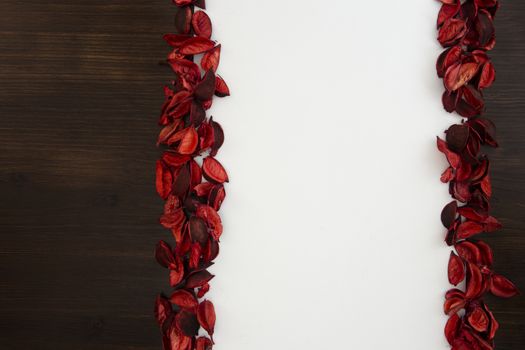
x=332, y=234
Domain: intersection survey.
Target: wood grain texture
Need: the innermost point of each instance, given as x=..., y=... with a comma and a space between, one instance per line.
x=79, y=94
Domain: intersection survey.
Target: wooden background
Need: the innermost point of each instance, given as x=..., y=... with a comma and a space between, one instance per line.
x=79, y=95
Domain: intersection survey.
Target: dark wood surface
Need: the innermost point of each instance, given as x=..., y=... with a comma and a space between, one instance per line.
x=79, y=95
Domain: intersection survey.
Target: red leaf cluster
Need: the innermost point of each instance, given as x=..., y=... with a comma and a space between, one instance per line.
x=466, y=31
x=190, y=179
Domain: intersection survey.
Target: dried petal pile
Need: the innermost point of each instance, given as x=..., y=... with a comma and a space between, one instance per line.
x=190, y=180
x=466, y=30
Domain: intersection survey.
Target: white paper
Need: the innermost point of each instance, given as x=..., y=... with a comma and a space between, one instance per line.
x=332, y=234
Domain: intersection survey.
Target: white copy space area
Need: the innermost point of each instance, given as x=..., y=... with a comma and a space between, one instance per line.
x=332, y=235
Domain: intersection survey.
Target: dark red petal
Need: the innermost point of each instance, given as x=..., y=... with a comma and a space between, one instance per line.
x=206, y=316
x=502, y=287
x=457, y=137
x=214, y=171
x=201, y=24
x=198, y=230
x=164, y=255
x=448, y=214
x=206, y=88
x=187, y=323
x=198, y=279
x=184, y=299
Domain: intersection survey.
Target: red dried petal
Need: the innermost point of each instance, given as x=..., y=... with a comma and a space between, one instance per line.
x=452, y=327
x=486, y=186
x=202, y=24
x=456, y=269
x=175, y=40
x=502, y=287
x=163, y=309
x=174, y=159
x=196, y=45
x=478, y=319
x=453, y=158
x=486, y=256
x=164, y=255
x=487, y=77
x=471, y=102
x=469, y=251
x=468, y=229
x=177, y=340
x=164, y=180
x=168, y=131
x=447, y=11
x=453, y=305
x=447, y=59
x=206, y=316
x=203, y=290
x=452, y=30
x=203, y=343
x=214, y=171
x=176, y=276
x=211, y=59
x=212, y=219
x=460, y=74
x=447, y=175
x=186, y=69
x=184, y=299
x=183, y=17
x=188, y=143
x=221, y=89
x=474, y=281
